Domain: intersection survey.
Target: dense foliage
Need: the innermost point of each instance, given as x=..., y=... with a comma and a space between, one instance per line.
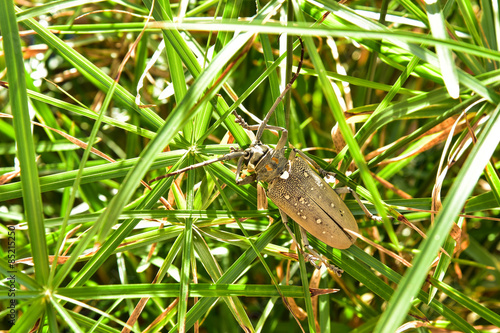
x=399, y=99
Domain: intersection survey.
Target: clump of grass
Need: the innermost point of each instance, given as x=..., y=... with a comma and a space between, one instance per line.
x=400, y=102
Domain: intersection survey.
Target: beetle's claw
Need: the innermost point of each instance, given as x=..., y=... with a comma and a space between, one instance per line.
x=337, y=270
x=332, y=267
x=240, y=121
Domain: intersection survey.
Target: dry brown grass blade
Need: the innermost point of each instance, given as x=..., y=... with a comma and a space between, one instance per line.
x=445, y=164
x=157, y=320
x=8, y=176
x=388, y=185
x=380, y=248
x=439, y=132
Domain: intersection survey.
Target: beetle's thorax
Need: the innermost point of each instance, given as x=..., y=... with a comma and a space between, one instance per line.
x=266, y=162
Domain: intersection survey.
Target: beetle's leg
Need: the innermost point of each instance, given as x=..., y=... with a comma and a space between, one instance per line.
x=341, y=190
x=264, y=125
x=284, y=133
x=247, y=180
x=308, y=246
x=240, y=121
x=312, y=256
x=309, y=257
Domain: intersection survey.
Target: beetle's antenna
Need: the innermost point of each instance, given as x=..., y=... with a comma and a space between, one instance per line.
x=280, y=98
x=233, y=155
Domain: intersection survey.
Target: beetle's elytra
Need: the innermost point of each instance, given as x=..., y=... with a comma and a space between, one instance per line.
x=313, y=204
x=297, y=190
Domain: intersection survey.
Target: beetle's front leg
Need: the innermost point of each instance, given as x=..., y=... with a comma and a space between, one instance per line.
x=249, y=179
x=342, y=190
x=284, y=133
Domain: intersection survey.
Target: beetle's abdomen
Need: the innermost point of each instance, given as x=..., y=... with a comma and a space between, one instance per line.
x=304, y=196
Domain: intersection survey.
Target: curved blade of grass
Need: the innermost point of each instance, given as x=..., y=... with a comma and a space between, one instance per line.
x=305, y=282
x=233, y=303
x=76, y=184
x=470, y=21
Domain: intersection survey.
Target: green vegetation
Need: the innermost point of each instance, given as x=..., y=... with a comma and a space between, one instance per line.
x=400, y=102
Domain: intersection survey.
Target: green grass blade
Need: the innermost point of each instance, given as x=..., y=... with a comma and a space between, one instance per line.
x=30, y=185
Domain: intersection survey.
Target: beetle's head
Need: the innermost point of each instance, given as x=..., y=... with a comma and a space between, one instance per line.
x=254, y=154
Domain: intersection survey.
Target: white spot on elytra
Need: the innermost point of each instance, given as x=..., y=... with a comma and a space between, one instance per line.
x=285, y=175
x=287, y=197
x=332, y=205
x=318, y=221
x=306, y=174
x=304, y=217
